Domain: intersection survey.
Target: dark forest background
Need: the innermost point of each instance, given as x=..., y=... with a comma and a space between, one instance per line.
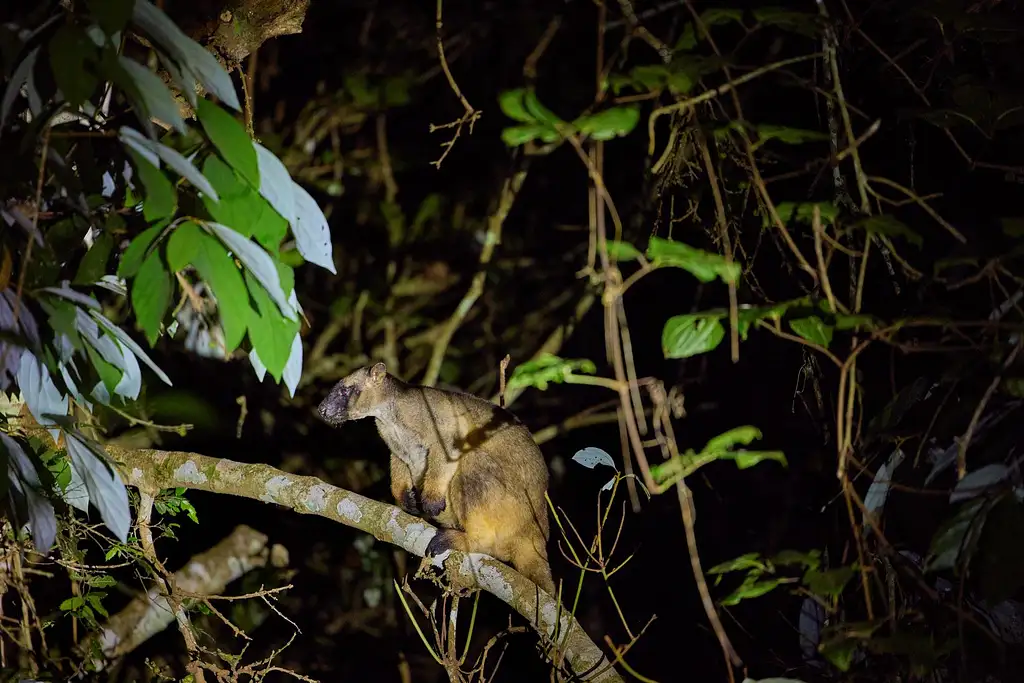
x=931, y=185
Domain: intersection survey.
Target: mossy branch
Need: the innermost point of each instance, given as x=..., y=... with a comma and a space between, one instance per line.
x=151, y=470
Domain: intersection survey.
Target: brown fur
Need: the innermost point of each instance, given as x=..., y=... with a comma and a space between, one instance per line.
x=459, y=460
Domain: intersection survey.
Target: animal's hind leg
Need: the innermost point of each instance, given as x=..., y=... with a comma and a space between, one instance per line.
x=532, y=562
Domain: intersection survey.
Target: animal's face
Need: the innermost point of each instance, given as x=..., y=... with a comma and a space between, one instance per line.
x=358, y=395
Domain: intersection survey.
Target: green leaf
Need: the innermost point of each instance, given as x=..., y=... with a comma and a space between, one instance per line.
x=741, y=563
x=752, y=587
x=956, y=539
x=138, y=142
x=622, y=251
x=71, y=53
x=219, y=271
x=109, y=374
x=703, y=265
x=650, y=77
x=689, y=335
x=258, y=262
x=889, y=226
x=813, y=329
x=803, y=212
x=230, y=139
x=270, y=332
x=610, y=123
x=802, y=23
x=154, y=98
x=135, y=254
x=241, y=207
x=829, y=583
x=736, y=436
x=785, y=558
x=791, y=136
x=512, y=105
x=151, y=295
x=72, y=603
x=94, y=264
x=111, y=15
x=161, y=197
x=747, y=459
x=520, y=135
x=94, y=598
x=546, y=369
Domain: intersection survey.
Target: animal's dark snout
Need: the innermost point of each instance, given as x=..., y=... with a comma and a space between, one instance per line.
x=334, y=408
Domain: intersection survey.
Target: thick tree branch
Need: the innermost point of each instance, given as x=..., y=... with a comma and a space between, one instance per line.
x=152, y=469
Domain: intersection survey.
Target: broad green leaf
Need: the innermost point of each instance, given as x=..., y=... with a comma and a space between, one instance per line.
x=855, y=321
x=230, y=139
x=747, y=459
x=219, y=271
x=830, y=582
x=109, y=374
x=71, y=56
x=258, y=262
x=703, y=265
x=813, y=329
x=151, y=295
x=94, y=264
x=520, y=135
x=186, y=52
x=803, y=212
x=956, y=539
x=650, y=76
x=546, y=369
x=791, y=136
x=742, y=563
x=690, y=335
x=133, y=256
x=786, y=558
x=271, y=334
x=111, y=15
x=72, y=603
x=610, y=123
x=622, y=251
x=512, y=105
x=292, y=372
x=41, y=395
x=161, y=197
x=748, y=316
x=156, y=99
x=752, y=587
x=890, y=226
x=240, y=207
x=127, y=342
x=25, y=487
x=182, y=166
x=106, y=490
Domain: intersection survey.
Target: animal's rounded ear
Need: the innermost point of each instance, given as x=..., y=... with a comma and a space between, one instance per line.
x=378, y=371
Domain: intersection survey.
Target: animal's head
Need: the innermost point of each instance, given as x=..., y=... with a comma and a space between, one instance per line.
x=360, y=394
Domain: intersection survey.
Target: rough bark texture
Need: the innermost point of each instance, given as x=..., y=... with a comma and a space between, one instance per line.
x=207, y=573
x=235, y=28
x=153, y=470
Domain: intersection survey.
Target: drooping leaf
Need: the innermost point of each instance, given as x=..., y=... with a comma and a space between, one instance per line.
x=71, y=55
x=135, y=254
x=975, y=483
x=18, y=78
x=65, y=292
x=591, y=456
x=513, y=136
x=112, y=15
x=161, y=196
x=312, y=234
x=186, y=52
x=610, y=123
x=190, y=244
x=151, y=295
x=156, y=99
x=744, y=562
x=829, y=583
x=270, y=333
x=41, y=395
x=93, y=265
x=511, y=104
x=689, y=335
x=258, y=262
x=110, y=375
x=736, y=436
x=230, y=139
x=753, y=586
x=957, y=538
x=293, y=367
x=703, y=265
x=275, y=183
x=106, y=489
x=182, y=166
x=813, y=329
x=129, y=343
x=25, y=482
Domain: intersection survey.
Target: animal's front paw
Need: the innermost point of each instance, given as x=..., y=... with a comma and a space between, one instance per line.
x=439, y=543
x=409, y=503
x=433, y=507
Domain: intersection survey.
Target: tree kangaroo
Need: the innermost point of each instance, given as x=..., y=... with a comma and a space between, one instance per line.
x=465, y=463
